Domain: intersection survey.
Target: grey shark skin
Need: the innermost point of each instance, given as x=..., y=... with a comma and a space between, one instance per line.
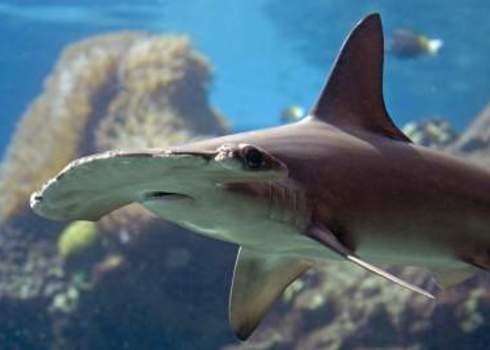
x=342, y=184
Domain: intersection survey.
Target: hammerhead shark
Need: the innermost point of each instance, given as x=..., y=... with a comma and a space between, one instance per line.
x=342, y=184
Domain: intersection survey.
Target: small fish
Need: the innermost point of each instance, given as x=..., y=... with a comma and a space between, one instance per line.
x=344, y=184
x=408, y=44
x=292, y=114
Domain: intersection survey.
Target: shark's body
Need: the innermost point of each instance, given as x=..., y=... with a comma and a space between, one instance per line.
x=344, y=183
x=392, y=202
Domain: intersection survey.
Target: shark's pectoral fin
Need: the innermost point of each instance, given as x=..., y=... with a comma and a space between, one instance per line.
x=327, y=238
x=257, y=282
x=450, y=278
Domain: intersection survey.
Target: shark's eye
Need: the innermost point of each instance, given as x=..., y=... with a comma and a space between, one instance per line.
x=254, y=158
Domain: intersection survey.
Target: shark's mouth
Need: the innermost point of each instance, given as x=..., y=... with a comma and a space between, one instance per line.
x=162, y=195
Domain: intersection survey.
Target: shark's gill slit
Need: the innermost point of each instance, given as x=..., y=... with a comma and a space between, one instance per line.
x=285, y=204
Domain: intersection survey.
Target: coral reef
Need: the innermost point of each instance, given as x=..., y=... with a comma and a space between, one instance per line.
x=124, y=90
x=162, y=112
x=31, y=275
x=436, y=133
x=475, y=142
x=168, y=292
x=127, y=90
x=77, y=238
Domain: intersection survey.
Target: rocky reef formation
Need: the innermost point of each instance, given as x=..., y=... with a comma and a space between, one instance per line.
x=125, y=90
x=110, y=285
x=340, y=307
x=475, y=142
x=435, y=133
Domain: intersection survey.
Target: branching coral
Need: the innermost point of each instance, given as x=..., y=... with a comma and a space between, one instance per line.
x=123, y=90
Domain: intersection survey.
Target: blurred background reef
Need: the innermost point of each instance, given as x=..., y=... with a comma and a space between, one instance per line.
x=131, y=281
x=64, y=285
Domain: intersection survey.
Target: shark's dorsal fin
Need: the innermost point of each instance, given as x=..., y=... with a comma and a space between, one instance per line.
x=257, y=282
x=352, y=97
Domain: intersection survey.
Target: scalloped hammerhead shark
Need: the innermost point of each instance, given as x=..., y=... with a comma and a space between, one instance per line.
x=342, y=184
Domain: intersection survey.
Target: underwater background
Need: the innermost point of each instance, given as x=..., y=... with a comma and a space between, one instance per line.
x=79, y=77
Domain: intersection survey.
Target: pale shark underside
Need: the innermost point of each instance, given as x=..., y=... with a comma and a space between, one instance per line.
x=343, y=183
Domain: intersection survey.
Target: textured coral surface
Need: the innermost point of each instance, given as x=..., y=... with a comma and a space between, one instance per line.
x=127, y=90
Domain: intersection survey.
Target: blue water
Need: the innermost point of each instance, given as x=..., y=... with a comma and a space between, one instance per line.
x=267, y=54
